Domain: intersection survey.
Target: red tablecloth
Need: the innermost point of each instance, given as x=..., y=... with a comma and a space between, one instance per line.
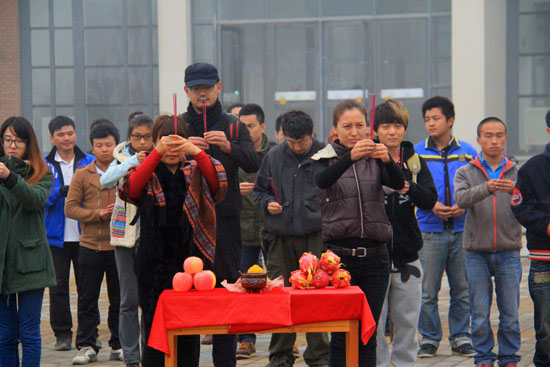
x=245, y=312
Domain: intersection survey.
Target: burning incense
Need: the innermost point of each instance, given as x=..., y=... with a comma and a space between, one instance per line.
x=372, y=107
x=272, y=183
x=204, y=115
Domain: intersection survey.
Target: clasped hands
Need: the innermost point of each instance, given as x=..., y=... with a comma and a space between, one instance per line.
x=367, y=147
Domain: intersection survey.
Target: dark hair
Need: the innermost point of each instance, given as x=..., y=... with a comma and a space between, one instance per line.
x=101, y=122
x=447, y=107
x=548, y=118
x=253, y=109
x=134, y=114
x=489, y=119
x=164, y=125
x=391, y=111
x=348, y=104
x=23, y=130
x=58, y=122
x=297, y=124
x=139, y=120
x=234, y=105
x=103, y=130
x=278, y=123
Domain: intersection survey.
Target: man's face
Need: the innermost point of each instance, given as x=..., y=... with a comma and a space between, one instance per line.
x=203, y=94
x=64, y=139
x=279, y=136
x=437, y=125
x=103, y=149
x=492, y=139
x=254, y=126
x=300, y=146
x=391, y=134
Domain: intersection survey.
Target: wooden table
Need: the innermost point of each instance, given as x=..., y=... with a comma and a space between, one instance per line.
x=283, y=310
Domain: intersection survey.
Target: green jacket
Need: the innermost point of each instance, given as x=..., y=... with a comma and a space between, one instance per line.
x=252, y=220
x=25, y=258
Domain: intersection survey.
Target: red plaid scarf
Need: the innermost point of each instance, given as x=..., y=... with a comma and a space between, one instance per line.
x=198, y=205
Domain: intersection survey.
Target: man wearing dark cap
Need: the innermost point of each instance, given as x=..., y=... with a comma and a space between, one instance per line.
x=227, y=140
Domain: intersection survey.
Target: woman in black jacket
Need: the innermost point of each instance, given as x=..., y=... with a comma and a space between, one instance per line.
x=354, y=222
x=405, y=284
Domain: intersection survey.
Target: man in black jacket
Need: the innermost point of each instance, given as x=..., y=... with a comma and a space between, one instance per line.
x=224, y=137
x=404, y=295
x=531, y=207
x=285, y=191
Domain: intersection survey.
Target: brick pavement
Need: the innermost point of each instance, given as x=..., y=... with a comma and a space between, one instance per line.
x=52, y=358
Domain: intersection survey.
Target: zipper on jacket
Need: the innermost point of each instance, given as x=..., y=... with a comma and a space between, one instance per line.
x=495, y=205
x=360, y=203
x=99, y=227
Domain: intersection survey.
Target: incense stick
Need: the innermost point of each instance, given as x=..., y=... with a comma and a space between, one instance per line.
x=272, y=183
x=372, y=107
x=175, y=114
x=204, y=115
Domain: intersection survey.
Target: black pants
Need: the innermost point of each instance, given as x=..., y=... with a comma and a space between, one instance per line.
x=371, y=274
x=93, y=266
x=61, y=319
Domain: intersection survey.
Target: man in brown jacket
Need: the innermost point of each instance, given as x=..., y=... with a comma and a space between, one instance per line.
x=92, y=205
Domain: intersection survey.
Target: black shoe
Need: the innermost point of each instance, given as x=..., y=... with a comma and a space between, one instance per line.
x=207, y=340
x=281, y=361
x=63, y=343
x=426, y=350
x=464, y=350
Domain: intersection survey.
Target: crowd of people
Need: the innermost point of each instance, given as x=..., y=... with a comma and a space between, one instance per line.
x=211, y=184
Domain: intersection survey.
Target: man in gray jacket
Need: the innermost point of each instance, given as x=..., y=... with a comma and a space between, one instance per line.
x=286, y=192
x=492, y=240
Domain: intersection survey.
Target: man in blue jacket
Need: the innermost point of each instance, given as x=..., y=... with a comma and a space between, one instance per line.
x=531, y=206
x=63, y=233
x=442, y=229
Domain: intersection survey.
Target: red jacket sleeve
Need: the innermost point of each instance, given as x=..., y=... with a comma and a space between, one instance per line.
x=208, y=170
x=138, y=179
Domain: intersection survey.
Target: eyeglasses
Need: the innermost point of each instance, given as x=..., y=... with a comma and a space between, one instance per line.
x=19, y=143
x=138, y=137
x=199, y=88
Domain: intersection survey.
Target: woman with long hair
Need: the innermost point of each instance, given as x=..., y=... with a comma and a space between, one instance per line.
x=26, y=265
x=354, y=221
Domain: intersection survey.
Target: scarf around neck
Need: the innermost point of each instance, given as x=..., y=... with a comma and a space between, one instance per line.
x=196, y=121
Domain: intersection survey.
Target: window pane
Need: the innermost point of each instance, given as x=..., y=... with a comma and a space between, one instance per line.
x=64, y=86
x=40, y=47
x=293, y=8
x=203, y=11
x=441, y=5
x=403, y=50
x=156, y=85
x=346, y=7
x=532, y=137
x=240, y=9
x=103, y=46
x=140, y=85
x=155, y=46
x=138, y=12
x=62, y=13
x=39, y=10
x=41, y=87
x=534, y=75
x=105, y=86
x=102, y=12
x=66, y=111
x=533, y=33
x=154, y=12
x=117, y=114
x=137, y=46
x=41, y=117
x=416, y=131
x=443, y=91
x=533, y=5
x=441, y=51
x=203, y=40
x=400, y=6
x=63, y=47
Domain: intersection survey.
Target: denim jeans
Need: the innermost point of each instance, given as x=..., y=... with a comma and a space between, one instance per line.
x=505, y=268
x=371, y=274
x=539, y=289
x=20, y=323
x=442, y=251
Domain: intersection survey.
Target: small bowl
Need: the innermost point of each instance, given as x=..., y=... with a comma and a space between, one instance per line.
x=253, y=282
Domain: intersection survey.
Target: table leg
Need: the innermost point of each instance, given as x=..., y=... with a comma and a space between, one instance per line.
x=172, y=359
x=352, y=344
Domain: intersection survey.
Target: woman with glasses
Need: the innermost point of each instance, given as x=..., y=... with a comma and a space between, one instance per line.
x=26, y=265
x=124, y=234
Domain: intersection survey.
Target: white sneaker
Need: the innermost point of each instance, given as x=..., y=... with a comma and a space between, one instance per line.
x=116, y=355
x=85, y=356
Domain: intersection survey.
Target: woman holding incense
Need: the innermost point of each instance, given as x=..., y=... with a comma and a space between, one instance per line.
x=176, y=198
x=354, y=221
x=26, y=265
x=405, y=283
